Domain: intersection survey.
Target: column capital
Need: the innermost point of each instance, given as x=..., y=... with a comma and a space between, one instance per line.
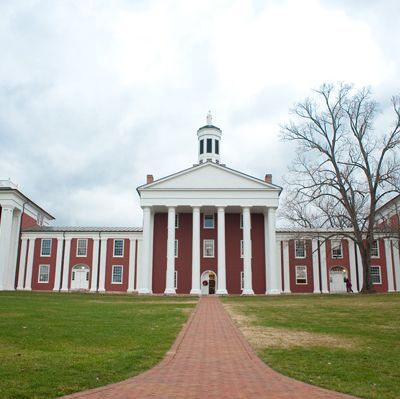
x=7, y=208
x=196, y=207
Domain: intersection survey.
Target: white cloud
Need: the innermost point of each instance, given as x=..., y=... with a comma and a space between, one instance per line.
x=94, y=95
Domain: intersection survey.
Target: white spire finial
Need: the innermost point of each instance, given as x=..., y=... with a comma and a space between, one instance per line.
x=209, y=118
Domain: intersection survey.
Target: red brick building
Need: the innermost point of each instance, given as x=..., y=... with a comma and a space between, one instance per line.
x=207, y=229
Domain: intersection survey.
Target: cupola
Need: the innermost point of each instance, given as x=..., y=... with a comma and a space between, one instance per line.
x=209, y=137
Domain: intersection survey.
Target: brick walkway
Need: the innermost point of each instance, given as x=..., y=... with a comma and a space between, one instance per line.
x=210, y=359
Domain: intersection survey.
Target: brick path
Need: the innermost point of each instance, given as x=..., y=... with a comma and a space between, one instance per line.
x=210, y=359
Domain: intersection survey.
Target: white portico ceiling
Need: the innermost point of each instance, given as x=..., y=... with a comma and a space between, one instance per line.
x=209, y=184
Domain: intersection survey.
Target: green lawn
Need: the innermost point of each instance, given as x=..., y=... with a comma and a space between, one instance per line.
x=348, y=343
x=55, y=344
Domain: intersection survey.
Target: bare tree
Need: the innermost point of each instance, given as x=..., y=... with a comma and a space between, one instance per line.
x=344, y=169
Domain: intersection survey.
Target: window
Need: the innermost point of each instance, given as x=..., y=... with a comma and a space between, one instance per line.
x=241, y=221
x=209, y=221
x=176, y=279
x=375, y=249
x=201, y=146
x=301, y=274
x=242, y=249
x=216, y=146
x=376, y=275
x=336, y=247
x=117, y=274
x=118, y=248
x=46, y=247
x=81, y=247
x=176, y=249
x=209, y=145
x=300, y=248
x=242, y=281
x=208, y=250
x=44, y=271
x=176, y=220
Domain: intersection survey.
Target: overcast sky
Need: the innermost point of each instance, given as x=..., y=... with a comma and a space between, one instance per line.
x=94, y=95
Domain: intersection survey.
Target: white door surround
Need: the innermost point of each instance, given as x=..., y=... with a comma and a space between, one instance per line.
x=209, y=282
x=337, y=274
x=80, y=277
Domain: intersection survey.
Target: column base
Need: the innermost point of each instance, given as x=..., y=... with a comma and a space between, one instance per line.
x=287, y=292
x=27, y=289
x=56, y=290
x=101, y=291
x=247, y=292
x=64, y=290
x=325, y=291
x=144, y=291
x=170, y=291
x=316, y=292
x=222, y=292
x=195, y=291
x=273, y=292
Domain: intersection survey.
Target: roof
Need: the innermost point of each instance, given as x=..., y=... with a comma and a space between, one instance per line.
x=197, y=166
x=49, y=216
x=83, y=229
x=210, y=127
x=389, y=203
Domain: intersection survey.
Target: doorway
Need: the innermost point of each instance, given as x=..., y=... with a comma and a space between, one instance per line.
x=80, y=277
x=337, y=276
x=208, y=283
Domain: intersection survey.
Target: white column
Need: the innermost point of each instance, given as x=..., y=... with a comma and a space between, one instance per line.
x=273, y=275
x=324, y=279
x=196, y=253
x=57, y=277
x=396, y=263
x=248, y=284
x=169, y=286
x=132, y=257
x=95, y=264
x=150, y=276
x=286, y=270
x=144, y=270
x=102, y=266
x=315, y=264
x=389, y=265
x=138, y=262
x=352, y=261
x=12, y=261
x=29, y=265
x=6, y=225
x=279, y=264
x=67, y=253
x=22, y=263
x=360, y=269
x=221, y=290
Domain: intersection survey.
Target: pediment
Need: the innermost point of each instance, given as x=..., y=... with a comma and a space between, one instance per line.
x=209, y=176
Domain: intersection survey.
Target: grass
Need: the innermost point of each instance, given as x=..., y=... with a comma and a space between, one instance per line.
x=348, y=343
x=56, y=344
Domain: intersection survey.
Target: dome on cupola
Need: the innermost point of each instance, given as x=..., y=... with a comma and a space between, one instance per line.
x=209, y=138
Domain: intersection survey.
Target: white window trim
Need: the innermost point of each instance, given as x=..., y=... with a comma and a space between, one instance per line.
x=48, y=274
x=380, y=274
x=204, y=249
x=176, y=279
x=377, y=246
x=123, y=248
x=341, y=249
x=295, y=249
x=77, y=246
x=204, y=220
x=295, y=276
x=241, y=221
x=122, y=274
x=176, y=248
x=41, y=247
x=177, y=220
x=242, y=249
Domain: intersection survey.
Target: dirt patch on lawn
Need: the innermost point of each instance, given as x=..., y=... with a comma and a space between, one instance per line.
x=261, y=337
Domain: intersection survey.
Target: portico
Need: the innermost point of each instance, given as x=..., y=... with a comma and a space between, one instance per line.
x=207, y=194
